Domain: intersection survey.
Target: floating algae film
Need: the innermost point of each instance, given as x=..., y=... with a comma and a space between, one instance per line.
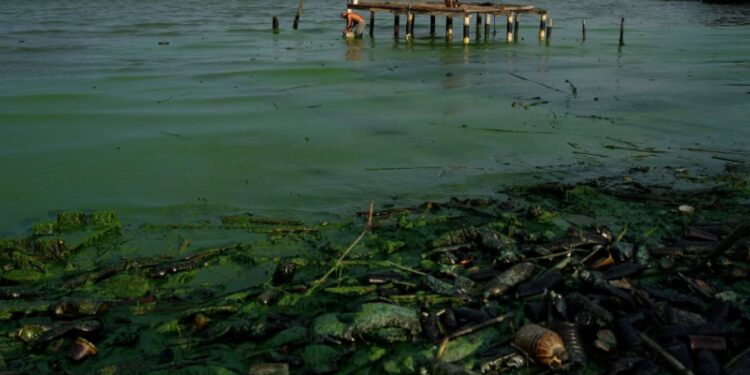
x=187, y=191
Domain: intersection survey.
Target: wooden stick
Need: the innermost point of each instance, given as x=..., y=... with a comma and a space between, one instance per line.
x=676, y=365
x=432, y=25
x=742, y=231
x=583, y=30
x=622, y=31
x=275, y=24
x=469, y=330
x=346, y=252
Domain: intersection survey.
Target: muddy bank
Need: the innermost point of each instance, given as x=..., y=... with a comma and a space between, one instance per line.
x=643, y=272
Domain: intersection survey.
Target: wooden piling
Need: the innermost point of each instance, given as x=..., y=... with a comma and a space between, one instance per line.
x=275, y=24
x=467, y=23
x=372, y=24
x=509, y=28
x=487, y=23
x=448, y=28
x=543, y=27
x=622, y=31
x=432, y=25
x=583, y=30
x=478, y=30
x=515, y=27
x=549, y=31
x=396, y=25
x=409, y=21
x=296, y=15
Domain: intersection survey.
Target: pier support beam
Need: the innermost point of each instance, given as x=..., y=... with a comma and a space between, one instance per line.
x=509, y=28
x=515, y=27
x=448, y=28
x=409, y=25
x=432, y=25
x=396, y=25
x=487, y=23
x=549, y=31
x=478, y=29
x=467, y=23
x=543, y=27
x=372, y=24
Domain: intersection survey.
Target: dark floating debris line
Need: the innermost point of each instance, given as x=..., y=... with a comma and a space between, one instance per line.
x=537, y=82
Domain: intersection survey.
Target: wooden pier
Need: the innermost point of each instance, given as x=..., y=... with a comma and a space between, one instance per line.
x=463, y=11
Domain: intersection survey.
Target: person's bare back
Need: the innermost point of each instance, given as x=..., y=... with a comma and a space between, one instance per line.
x=354, y=23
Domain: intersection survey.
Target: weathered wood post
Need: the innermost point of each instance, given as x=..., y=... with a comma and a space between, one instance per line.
x=583, y=30
x=509, y=28
x=448, y=28
x=275, y=24
x=372, y=23
x=478, y=29
x=467, y=23
x=296, y=15
x=487, y=23
x=409, y=21
x=622, y=31
x=543, y=26
x=549, y=31
x=396, y=25
x=432, y=25
x=515, y=27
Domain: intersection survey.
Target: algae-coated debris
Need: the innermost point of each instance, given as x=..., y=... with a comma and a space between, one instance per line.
x=328, y=325
x=45, y=228
x=374, y=316
x=292, y=335
x=465, y=346
x=320, y=359
x=125, y=286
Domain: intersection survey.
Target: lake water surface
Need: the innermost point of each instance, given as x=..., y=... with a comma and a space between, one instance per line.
x=97, y=111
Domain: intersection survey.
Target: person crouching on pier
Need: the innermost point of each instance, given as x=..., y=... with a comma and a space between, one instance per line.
x=354, y=23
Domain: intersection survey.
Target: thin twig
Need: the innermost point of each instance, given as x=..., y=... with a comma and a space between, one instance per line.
x=469, y=330
x=676, y=365
x=340, y=261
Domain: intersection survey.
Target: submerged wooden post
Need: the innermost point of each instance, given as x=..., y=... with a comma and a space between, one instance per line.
x=583, y=30
x=515, y=27
x=549, y=31
x=448, y=28
x=487, y=23
x=479, y=26
x=275, y=24
x=409, y=20
x=432, y=25
x=296, y=15
x=509, y=28
x=467, y=23
x=372, y=23
x=622, y=31
x=396, y=25
x=543, y=27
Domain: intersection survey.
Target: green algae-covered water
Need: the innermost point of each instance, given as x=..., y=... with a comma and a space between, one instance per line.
x=169, y=110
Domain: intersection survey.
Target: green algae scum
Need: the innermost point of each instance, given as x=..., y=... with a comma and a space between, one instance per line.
x=186, y=190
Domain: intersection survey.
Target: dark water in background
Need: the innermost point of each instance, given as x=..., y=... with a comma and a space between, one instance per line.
x=95, y=114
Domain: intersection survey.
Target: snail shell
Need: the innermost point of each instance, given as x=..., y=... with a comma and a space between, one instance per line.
x=82, y=348
x=544, y=345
